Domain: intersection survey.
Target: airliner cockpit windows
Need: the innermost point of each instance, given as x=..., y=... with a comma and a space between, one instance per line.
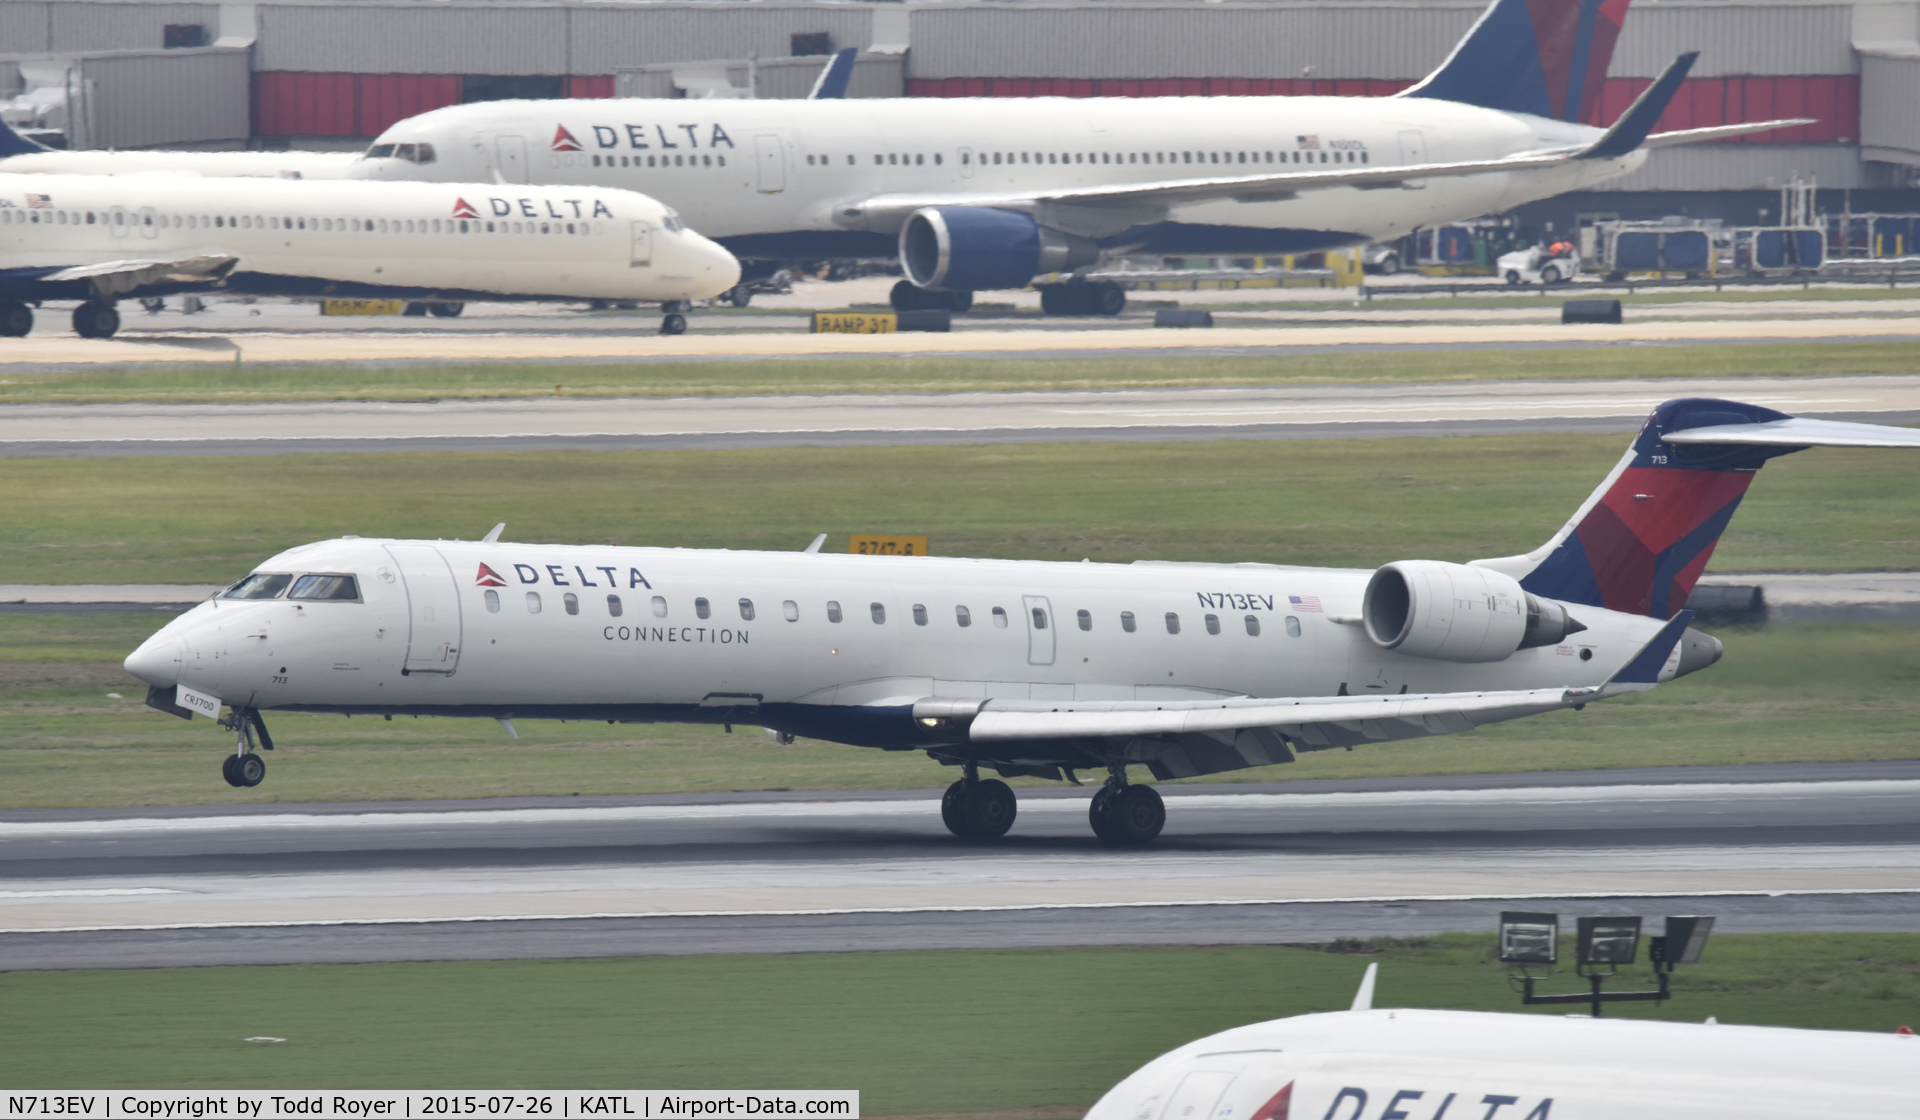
x=259, y=586
x=380, y=151
x=335, y=587
x=702, y=608
x=999, y=618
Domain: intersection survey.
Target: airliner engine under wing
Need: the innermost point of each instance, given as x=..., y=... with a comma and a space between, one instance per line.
x=99, y=239
x=1026, y=668
x=992, y=193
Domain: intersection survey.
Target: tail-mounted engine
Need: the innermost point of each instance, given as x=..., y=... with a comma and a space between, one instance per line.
x=974, y=248
x=1454, y=612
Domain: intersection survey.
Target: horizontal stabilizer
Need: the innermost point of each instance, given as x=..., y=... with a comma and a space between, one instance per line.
x=1720, y=132
x=1643, y=672
x=1637, y=122
x=1801, y=431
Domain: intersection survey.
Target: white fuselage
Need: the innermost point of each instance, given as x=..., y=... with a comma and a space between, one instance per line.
x=229, y=165
x=1416, y=1064
x=775, y=178
x=801, y=640
x=350, y=238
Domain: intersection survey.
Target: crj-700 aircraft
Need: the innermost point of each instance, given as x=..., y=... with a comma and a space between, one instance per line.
x=1025, y=668
x=1417, y=1064
x=993, y=193
x=99, y=239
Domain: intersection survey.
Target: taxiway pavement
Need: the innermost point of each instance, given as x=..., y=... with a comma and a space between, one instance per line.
x=1812, y=847
x=1275, y=412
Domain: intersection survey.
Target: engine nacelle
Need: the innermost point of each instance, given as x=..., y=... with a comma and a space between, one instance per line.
x=971, y=248
x=1455, y=612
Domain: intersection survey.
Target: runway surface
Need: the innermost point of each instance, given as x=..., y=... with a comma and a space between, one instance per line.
x=1810, y=847
x=1311, y=411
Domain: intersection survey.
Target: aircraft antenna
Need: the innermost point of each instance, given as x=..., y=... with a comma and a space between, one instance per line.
x=817, y=542
x=493, y=534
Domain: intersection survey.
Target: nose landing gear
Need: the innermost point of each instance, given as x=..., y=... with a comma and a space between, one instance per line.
x=977, y=810
x=244, y=768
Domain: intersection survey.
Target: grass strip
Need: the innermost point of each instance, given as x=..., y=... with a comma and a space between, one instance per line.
x=1782, y=694
x=915, y=1032
x=230, y=383
x=1317, y=502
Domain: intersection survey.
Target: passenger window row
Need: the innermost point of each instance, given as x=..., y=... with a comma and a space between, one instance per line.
x=997, y=159
x=309, y=224
x=678, y=161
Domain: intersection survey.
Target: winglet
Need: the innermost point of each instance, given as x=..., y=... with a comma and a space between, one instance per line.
x=14, y=144
x=1643, y=672
x=1637, y=122
x=831, y=85
x=1363, y=999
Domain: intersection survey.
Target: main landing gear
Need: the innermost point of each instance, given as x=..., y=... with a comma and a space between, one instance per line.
x=244, y=768
x=977, y=810
x=16, y=319
x=1126, y=815
x=907, y=296
x=95, y=319
x=1083, y=297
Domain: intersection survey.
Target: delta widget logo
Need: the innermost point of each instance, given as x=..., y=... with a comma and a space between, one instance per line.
x=487, y=577
x=464, y=209
x=564, y=141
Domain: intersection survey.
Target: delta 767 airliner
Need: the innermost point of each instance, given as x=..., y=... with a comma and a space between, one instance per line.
x=989, y=193
x=1023, y=667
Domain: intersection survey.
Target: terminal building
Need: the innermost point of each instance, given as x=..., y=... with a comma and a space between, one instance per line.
x=335, y=73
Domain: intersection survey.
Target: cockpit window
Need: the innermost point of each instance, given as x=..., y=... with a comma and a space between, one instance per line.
x=672, y=221
x=325, y=587
x=423, y=153
x=259, y=585
x=380, y=151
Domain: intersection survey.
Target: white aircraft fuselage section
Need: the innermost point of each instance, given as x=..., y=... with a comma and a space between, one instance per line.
x=809, y=175
x=836, y=647
x=352, y=238
x=233, y=165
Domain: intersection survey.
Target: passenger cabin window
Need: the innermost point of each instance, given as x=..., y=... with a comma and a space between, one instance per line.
x=571, y=602
x=325, y=587
x=659, y=606
x=1086, y=619
x=1293, y=627
x=1173, y=623
x=746, y=610
x=1213, y=623
x=963, y=616
x=614, y=608
x=919, y=614
x=493, y=601
x=999, y=618
x=1126, y=621
x=790, y=610
x=701, y=608
x=833, y=610
x=1039, y=619
x=879, y=612
x=533, y=602
x=1253, y=627
x=258, y=586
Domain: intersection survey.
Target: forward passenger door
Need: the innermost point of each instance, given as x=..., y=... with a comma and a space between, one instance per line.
x=433, y=609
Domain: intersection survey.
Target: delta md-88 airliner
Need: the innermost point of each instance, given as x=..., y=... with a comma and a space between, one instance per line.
x=987, y=193
x=1025, y=668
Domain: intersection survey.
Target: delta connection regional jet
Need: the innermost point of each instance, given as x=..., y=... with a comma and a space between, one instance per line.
x=1019, y=667
x=984, y=193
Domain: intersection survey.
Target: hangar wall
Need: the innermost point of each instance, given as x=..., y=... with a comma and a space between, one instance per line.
x=339, y=71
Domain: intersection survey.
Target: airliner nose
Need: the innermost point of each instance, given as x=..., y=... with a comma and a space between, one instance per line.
x=714, y=263
x=157, y=661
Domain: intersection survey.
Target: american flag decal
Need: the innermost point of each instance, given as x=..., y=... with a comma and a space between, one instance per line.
x=40, y=201
x=1310, y=141
x=1305, y=604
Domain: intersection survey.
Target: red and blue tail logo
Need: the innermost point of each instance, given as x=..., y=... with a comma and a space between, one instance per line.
x=1643, y=544
x=1544, y=57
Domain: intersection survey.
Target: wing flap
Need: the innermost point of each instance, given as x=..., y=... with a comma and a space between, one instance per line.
x=1380, y=717
x=123, y=276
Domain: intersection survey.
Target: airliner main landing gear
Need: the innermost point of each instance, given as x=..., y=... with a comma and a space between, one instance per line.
x=1083, y=297
x=95, y=319
x=244, y=767
x=1125, y=814
x=977, y=810
x=16, y=319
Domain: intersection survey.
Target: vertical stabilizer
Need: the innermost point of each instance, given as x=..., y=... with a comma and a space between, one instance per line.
x=1544, y=57
x=14, y=144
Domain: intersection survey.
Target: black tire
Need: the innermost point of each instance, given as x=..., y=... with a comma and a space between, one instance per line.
x=1389, y=265
x=959, y=302
x=229, y=769
x=95, y=320
x=251, y=769
x=446, y=310
x=951, y=812
x=1107, y=297
x=1135, y=815
x=1513, y=278
x=1054, y=299
x=673, y=323
x=989, y=808
x=16, y=320
x=1097, y=814
x=906, y=297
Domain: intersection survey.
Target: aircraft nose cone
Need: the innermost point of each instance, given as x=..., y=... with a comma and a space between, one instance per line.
x=719, y=265
x=157, y=661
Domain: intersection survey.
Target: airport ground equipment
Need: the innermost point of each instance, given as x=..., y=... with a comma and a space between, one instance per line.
x=1540, y=264
x=1021, y=668
x=972, y=194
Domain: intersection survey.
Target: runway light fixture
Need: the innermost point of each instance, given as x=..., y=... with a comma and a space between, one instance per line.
x=1683, y=942
x=1529, y=938
x=1608, y=942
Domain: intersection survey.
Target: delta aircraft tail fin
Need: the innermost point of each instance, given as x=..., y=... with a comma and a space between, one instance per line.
x=14, y=144
x=1544, y=57
x=831, y=85
x=1640, y=542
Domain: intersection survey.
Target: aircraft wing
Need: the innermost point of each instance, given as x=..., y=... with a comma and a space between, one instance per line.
x=1719, y=132
x=111, y=278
